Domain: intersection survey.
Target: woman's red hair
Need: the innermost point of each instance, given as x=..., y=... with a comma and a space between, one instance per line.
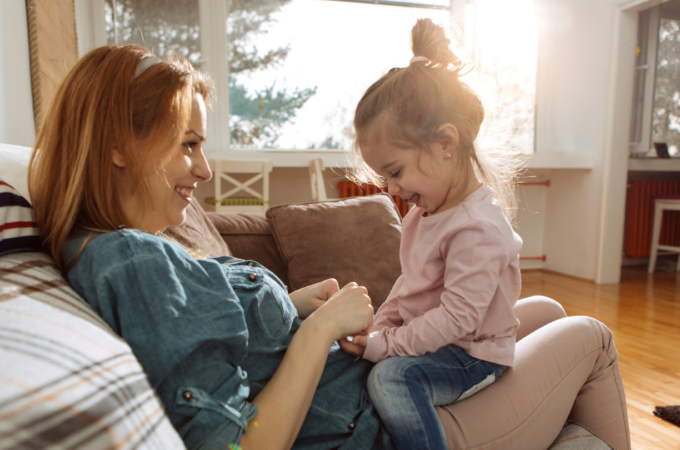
x=101, y=106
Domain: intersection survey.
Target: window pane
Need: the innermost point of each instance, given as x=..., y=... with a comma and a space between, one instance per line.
x=666, y=111
x=506, y=39
x=165, y=27
x=299, y=67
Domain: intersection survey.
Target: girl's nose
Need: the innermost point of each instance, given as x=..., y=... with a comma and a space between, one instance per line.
x=393, y=188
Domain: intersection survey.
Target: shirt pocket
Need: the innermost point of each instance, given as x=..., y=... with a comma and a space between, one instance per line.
x=266, y=302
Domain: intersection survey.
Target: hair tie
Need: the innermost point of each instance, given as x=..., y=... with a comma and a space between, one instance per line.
x=418, y=59
x=147, y=62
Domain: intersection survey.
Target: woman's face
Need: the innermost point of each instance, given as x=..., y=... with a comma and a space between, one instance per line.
x=172, y=185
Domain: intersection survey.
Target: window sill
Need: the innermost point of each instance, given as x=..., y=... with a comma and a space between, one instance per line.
x=559, y=161
x=338, y=158
x=285, y=158
x=654, y=164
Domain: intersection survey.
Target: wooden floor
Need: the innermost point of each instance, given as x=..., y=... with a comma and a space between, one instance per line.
x=643, y=313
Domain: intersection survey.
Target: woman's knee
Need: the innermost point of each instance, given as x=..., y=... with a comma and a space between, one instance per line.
x=599, y=336
x=535, y=312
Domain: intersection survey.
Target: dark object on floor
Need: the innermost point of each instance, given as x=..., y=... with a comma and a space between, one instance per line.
x=668, y=413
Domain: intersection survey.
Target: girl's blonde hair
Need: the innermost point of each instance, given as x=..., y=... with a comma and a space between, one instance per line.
x=101, y=106
x=407, y=106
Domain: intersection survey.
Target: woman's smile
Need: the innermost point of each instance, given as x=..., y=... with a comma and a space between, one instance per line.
x=185, y=192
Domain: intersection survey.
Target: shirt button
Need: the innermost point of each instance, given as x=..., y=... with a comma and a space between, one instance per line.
x=252, y=277
x=351, y=426
x=187, y=395
x=251, y=264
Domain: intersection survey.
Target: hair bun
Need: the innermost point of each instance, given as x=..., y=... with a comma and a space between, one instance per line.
x=429, y=39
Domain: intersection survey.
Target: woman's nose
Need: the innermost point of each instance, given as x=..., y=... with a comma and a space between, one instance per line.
x=201, y=168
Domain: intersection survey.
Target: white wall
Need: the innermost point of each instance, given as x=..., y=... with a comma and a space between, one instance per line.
x=575, y=60
x=16, y=100
x=530, y=219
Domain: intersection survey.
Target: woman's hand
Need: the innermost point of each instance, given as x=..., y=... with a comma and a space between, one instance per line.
x=348, y=312
x=285, y=400
x=309, y=298
x=354, y=345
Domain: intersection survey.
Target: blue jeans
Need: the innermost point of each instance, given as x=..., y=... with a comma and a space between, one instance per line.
x=405, y=390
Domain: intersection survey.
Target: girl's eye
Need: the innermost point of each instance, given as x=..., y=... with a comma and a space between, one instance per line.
x=395, y=174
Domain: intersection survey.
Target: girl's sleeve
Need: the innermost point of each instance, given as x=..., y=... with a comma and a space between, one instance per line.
x=475, y=257
x=388, y=314
x=186, y=326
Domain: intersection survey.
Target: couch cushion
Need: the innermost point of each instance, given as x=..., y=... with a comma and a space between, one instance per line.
x=575, y=437
x=18, y=229
x=250, y=237
x=355, y=239
x=66, y=380
x=198, y=232
x=14, y=167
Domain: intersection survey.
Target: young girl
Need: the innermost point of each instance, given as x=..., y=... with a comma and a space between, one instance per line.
x=447, y=329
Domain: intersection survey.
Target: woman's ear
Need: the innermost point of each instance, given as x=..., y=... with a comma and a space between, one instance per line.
x=449, y=139
x=117, y=158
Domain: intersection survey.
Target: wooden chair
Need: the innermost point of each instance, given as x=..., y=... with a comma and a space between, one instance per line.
x=316, y=168
x=225, y=201
x=661, y=204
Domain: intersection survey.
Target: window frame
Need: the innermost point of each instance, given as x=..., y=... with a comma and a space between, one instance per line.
x=644, y=145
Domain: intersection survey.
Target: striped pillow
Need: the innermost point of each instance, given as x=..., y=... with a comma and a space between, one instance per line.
x=18, y=230
x=67, y=380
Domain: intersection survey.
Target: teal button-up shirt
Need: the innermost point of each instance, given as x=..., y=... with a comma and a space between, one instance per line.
x=210, y=334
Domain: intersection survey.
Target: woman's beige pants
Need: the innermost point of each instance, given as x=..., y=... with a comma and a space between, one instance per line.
x=565, y=368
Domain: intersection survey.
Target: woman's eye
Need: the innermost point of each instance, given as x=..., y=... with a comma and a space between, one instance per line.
x=189, y=146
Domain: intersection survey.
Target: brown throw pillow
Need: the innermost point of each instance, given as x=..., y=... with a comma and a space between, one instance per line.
x=355, y=239
x=199, y=233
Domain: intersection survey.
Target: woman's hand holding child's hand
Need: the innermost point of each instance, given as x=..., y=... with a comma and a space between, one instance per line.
x=356, y=347
x=309, y=298
x=348, y=312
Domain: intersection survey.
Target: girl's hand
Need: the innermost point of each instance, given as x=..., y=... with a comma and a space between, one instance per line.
x=347, y=313
x=309, y=298
x=356, y=346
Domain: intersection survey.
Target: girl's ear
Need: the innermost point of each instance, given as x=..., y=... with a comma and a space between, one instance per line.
x=449, y=139
x=117, y=158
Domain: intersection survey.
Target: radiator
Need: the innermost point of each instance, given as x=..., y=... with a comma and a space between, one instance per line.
x=349, y=189
x=640, y=216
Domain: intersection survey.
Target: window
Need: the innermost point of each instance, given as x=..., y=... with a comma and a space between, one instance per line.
x=297, y=68
x=656, y=95
x=505, y=43
x=164, y=27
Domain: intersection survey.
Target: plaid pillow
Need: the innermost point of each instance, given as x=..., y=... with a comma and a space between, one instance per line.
x=66, y=379
x=18, y=230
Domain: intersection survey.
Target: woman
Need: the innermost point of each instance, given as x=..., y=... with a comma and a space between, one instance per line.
x=233, y=357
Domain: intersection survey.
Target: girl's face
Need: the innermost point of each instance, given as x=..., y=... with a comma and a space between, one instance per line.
x=422, y=177
x=172, y=185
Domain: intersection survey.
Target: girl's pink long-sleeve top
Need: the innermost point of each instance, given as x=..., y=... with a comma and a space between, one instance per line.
x=460, y=280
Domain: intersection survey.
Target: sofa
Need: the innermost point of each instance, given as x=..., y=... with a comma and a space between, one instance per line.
x=68, y=381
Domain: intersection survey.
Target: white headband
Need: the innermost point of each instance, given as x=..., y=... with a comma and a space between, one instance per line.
x=419, y=58
x=146, y=63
